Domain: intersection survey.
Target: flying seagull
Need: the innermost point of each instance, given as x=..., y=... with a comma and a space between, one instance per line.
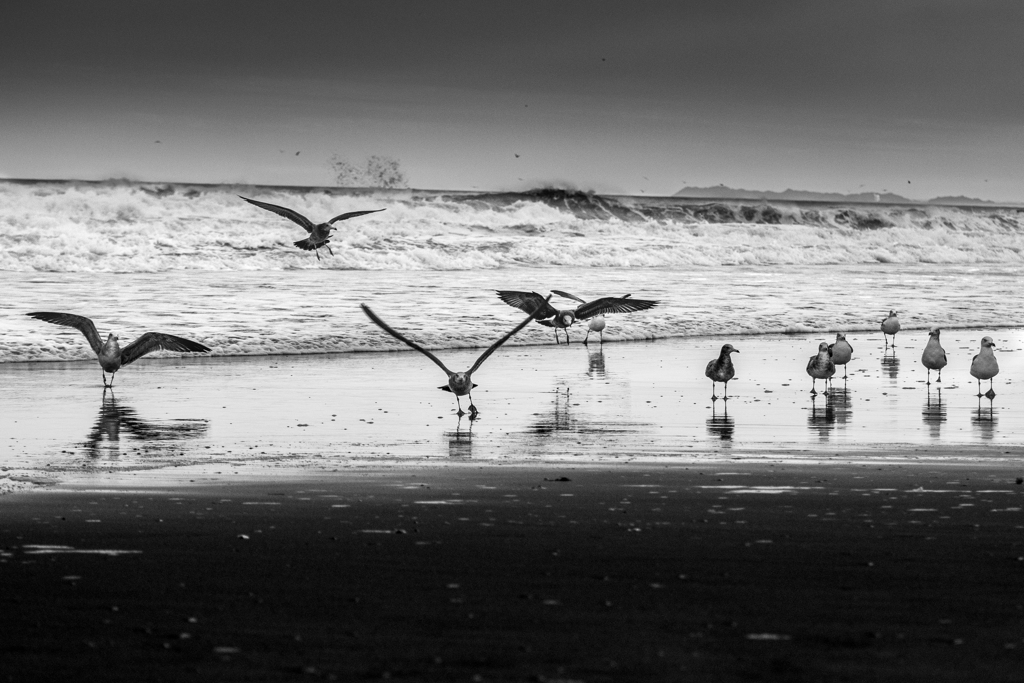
x=721, y=370
x=110, y=355
x=549, y=316
x=319, y=234
x=459, y=383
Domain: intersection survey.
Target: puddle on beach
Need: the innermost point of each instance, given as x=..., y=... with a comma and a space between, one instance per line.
x=635, y=401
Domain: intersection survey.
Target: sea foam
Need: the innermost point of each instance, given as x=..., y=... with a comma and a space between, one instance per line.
x=139, y=227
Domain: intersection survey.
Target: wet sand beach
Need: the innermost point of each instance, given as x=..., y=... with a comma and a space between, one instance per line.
x=329, y=517
x=748, y=572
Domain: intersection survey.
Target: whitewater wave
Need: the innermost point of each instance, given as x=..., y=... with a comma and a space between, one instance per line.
x=146, y=227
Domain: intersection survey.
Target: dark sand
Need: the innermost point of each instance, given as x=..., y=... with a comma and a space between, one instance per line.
x=889, y=572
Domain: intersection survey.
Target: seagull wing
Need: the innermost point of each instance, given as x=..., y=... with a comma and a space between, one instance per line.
x=293, y=216
x=80, y=323
x=613, y=304
x=495, y=345
x=155, y=341
x=567, y=295
x=529, y=302
x=352, y=214
x=400, y=337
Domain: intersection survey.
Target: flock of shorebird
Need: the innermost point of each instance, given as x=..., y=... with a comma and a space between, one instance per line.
x=112, y=357
x=823, y=364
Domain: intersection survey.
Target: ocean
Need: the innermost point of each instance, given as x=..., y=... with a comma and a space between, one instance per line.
x=198, y=261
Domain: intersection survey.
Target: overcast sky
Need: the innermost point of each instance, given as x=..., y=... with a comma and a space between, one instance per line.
x=632, y=96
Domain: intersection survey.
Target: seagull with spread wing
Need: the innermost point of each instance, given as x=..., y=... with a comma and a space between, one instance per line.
x=110, y=355
x=594, y=311
x=319, y=234
x=459, y=383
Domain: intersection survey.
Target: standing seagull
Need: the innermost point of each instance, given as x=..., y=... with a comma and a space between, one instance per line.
x=109, y=354
x=820, y=367
x=319, y=234
x=537, y=306
x=841, y=351
x=934, y=356
x=459, y=383
x=984, y=365
x=596, y=324
x=890, y=325
x=721, y=370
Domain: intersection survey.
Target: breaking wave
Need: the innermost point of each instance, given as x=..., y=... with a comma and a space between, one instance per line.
x=119, y=226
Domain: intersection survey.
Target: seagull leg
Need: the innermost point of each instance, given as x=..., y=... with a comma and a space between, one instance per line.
x=979, y=387
x=104, y=378
x=328, y=247
x=929, y=376
x=556, y=335
x=713, y=396
x=458, y=403
x=111, y=380
x=814, y=381
x=725, y=393
x=586, y=337
x=317, y=251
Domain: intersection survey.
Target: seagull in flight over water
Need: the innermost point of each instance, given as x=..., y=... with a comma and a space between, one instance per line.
x=459, y=383
x=110, y=355
x=319, y=234
x=549, y=316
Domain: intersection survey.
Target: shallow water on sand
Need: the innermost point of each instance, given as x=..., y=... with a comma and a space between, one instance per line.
x=636, y=401
x=288, y=312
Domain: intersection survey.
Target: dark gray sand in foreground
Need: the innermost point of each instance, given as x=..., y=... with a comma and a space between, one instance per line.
x=790, y=572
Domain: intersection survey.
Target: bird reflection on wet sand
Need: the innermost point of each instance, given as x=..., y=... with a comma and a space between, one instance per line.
x=984, y=419
x=560, y=418
x=116, y=420
x=890, y=363
x=934, y=413
x=836, y=410
x=460, y=441
x=720, y=425
x=595, y=364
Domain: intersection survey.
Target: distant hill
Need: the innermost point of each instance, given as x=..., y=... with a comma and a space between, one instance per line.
x=960, y=200
x=723, y=192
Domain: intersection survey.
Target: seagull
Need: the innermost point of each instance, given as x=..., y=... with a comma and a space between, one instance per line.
x=984, y=365
x=841, y=351
x=110, y=355
x=820, y=366
x=562, y=319
x=721, y=370
x=595, y=324
x=459, y=383
x=934, y=356
x=890, y=325
x=319, y=234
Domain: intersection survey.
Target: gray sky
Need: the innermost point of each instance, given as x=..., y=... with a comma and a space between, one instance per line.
x=617, y=97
